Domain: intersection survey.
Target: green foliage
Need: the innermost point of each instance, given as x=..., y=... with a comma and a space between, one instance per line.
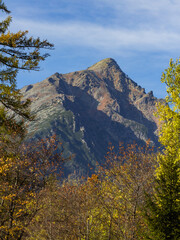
x=128, y=175
x=163, y=207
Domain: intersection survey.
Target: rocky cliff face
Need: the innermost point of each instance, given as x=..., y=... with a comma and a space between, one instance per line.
x=89, y=109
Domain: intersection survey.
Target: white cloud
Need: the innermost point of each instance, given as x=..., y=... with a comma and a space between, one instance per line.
x=101, y=37
x=151, y=6
x=148, y=26
x=165, y=13
x=134, y=14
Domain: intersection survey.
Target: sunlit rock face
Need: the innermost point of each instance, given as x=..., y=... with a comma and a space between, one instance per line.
x=89, y=109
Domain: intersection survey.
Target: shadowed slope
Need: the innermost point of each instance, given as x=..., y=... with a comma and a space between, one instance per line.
x=88, y=109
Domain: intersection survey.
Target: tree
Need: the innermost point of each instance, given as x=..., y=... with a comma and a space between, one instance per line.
x=23, y=175
x=23, y=171
x=163, y=207
x=67, y=212
x=106, y=206
x=128, y=174
x=17, y=52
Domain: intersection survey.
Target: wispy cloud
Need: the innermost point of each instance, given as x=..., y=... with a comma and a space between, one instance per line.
x=140, y=25
x=135, y=32
x=134, y=5
x=102, y=37
x=162, y=12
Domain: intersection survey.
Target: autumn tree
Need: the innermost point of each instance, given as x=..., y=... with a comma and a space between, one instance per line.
x=163, y=207
x=68, y=211
x=18, y=51
x=108, y=205
x=128, y=174
x=23, y=175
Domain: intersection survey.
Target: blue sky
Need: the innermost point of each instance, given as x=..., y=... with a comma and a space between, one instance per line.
x=141, y=35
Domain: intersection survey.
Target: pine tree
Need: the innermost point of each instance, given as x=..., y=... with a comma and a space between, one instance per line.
x=163, y=207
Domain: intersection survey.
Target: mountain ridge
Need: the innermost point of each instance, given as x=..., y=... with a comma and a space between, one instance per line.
x=88, y=109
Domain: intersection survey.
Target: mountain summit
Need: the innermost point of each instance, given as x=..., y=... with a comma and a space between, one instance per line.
x=89, y=109
x=104, y=64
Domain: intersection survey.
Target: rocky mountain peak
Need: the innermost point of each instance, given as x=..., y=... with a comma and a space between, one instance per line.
x=88, y=109
x=105, y=64
x=110, y=72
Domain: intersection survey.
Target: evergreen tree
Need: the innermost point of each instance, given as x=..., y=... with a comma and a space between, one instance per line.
x=17, y=51
x=21, y=172
x=163, y=207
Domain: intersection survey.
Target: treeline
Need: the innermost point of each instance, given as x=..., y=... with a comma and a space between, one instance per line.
x=108, y=205
x=127, y=197
x=36, y=204
x=134, y=195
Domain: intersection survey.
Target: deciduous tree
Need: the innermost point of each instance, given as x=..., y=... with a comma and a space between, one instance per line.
x=163, y=207
x=128, y=175
x=23, y=174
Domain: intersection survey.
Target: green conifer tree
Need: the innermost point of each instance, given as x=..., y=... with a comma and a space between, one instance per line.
x=163, y=207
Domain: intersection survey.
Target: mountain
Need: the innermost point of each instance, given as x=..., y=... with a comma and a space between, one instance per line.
x=89, y=109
